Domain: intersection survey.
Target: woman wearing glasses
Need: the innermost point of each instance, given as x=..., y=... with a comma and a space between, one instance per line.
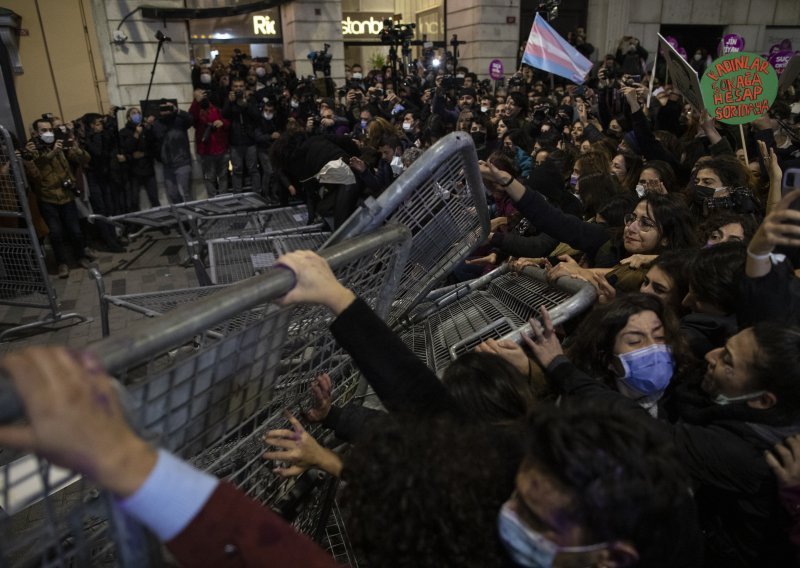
x=656, y=224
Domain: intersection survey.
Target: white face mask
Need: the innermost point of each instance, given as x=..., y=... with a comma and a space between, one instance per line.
x=357, y=76
x=260, y=72
x=205, y=78
x=484, y=109
x=723, y=400
x=48, y=137
x=407, y=126
x=397, y=165
x=640, y=191
x=459, y=76
x=294, y=103
x=268, y=115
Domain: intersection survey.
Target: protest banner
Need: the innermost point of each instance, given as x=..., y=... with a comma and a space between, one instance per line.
x=739, y=87
x=730, y=43
x=684, y=78
x=779, y=60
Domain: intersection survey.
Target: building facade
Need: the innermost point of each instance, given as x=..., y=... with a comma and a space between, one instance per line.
x=71, y=60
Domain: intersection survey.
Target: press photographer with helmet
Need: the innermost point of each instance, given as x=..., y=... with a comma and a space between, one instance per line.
x=54, y=154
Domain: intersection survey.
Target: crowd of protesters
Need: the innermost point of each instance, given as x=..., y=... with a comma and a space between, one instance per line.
x=659, y=430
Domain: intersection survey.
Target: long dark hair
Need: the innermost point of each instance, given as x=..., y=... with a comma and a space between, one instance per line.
x=675, y=222
x=488, y=388
x=592, y=349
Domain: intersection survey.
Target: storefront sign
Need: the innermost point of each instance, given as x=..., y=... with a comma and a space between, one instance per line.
x=264, y=25
x=359, y=25
x=739, y=87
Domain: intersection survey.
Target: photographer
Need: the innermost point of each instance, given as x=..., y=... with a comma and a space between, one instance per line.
x=170, y=131
x=105, y=193
x=631, y=56
x=268, y=130
x=55, y=190
x=136, y=140
x=242, y=112
x=211, y=139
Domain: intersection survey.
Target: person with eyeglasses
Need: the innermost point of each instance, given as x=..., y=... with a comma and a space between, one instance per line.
x=657, y=223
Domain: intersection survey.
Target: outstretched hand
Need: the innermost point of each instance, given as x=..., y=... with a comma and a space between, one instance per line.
x=299, y=450
x=784, y=460
x=544, y=345
x=509, y=351
x=322, y=395
x=780, y=227
x=315, y=282
x=75, y=418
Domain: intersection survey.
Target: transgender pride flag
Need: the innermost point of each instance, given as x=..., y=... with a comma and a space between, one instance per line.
x=550, y=52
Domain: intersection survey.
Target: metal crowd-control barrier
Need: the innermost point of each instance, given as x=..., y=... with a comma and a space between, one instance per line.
x=495, y=306
x=441, y=198
x=208, y=398
x=23, y=275
x=236, y=258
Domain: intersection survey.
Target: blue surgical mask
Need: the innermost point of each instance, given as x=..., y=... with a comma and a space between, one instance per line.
x=136, y=118
x=363, y=124
x=573, y=181
x=648, y=370
x=528, y=548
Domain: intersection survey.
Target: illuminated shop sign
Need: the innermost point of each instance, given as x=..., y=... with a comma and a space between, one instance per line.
x=357, y=25
x=264, y=25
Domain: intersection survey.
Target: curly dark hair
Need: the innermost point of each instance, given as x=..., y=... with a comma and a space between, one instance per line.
x=716, y=273
x=426, y=494
x=624, y=476
x=592, y=348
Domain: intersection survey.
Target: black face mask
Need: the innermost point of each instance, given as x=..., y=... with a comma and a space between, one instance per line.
x=613, y=134
x=478, y=137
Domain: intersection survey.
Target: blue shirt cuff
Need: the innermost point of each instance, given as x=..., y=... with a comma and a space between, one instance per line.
x=171, y=496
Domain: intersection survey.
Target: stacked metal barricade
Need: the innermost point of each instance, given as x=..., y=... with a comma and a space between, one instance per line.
x=23, y=275
x=220, y=363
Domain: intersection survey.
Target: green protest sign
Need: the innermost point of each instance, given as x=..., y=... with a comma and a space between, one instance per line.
x=739, y=87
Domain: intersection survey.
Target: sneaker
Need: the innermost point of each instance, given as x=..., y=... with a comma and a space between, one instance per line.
x=63, y=271
x=85, y=262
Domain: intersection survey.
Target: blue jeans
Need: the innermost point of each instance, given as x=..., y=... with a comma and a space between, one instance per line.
x=177, y=182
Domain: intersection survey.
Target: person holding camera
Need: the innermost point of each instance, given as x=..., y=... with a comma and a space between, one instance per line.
x=105, y=193
x=55, y=190
x=211, y=139
x=135, y=142
x=170, y=131
x=242, y=112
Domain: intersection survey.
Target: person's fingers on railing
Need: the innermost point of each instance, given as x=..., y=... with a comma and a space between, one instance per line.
x=315, y=282
x=75, y=418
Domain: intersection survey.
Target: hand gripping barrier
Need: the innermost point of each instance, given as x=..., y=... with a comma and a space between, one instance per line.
x=208, y=397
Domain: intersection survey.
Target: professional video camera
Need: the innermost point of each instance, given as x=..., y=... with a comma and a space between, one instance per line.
x=396, y=33
x=321, y=60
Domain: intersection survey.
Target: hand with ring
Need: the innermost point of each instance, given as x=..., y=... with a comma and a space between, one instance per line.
x=544, y=344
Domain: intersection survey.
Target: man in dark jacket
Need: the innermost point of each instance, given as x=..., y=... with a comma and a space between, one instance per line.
x=136, y=143
x=170, y=131
x=242, y=112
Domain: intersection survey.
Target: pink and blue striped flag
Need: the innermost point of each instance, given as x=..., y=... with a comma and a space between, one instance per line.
x=550, y=52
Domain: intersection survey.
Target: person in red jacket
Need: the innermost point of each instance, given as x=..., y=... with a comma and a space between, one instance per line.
x=211, y=137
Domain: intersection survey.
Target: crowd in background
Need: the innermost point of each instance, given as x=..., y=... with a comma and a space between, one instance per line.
x=661, y=429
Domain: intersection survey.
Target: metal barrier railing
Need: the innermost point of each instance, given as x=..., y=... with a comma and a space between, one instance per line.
x=441, y=198
x=23, y=275
x=236, y=258
x=495, y=306
x=208, y=397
